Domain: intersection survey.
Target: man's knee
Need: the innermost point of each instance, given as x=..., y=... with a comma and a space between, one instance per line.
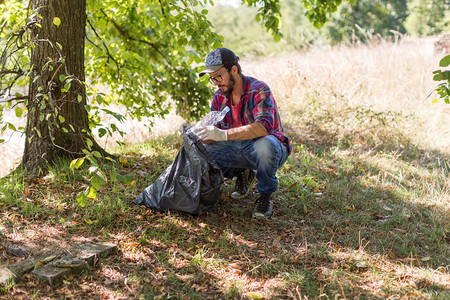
x=265, y=149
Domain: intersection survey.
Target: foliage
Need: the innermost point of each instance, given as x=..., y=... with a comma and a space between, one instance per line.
x=443, y=88
x=366, y=19
x=428, y=17
x=318, y=11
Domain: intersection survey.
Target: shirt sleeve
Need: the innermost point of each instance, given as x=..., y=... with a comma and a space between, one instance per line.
x=264, y=109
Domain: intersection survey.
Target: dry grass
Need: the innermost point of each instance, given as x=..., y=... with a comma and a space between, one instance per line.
x=382, y=75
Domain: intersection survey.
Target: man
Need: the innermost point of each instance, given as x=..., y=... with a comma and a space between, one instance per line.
x=250, y=138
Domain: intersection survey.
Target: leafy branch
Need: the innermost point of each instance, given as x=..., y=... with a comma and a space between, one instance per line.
x=443, y=88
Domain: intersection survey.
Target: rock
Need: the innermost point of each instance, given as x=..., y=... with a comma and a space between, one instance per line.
x=23, y=267
x=92, y=252
x=6, y=276
x=52, y=267
x=16, y=251
x=75, y=264
x=50, y=274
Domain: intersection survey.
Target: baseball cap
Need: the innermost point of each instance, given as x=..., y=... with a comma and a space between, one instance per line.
x=217, y=58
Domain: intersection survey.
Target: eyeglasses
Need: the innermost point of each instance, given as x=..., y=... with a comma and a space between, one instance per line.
x=217, y=78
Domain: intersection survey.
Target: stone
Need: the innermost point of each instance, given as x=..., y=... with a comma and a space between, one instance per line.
x=16, y=251
x=92, y=252
x=52, y=267
x=23, y=267
x=51, y=274
x=6, y=276
x=76, y=265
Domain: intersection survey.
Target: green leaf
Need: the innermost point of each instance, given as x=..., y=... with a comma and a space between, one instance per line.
x=67, y=86
x=57, y=21
x=125, y=179
x=77, y=163
x=91, y=193
x=445, y=61
x=82, y=199
x=439, y=76
x=2, y=141
x=89, y=143
x=61, y=119
x=98, y=181
x=19, y=112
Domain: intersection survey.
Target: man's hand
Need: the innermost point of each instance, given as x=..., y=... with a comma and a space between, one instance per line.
x=212, y=133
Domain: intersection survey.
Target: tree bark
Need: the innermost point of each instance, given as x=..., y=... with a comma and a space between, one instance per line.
x=57, y=122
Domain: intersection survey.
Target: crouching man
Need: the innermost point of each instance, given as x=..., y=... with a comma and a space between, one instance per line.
x=249, y=142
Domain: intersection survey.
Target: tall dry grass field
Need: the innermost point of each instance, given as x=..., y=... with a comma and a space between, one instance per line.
x=383, y=75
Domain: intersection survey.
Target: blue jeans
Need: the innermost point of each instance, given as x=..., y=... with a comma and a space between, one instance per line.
x=265, y=155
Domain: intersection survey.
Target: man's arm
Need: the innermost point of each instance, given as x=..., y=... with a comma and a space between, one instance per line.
x=247, y=132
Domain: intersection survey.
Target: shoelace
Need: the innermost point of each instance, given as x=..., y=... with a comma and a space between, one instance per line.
x=242, y=182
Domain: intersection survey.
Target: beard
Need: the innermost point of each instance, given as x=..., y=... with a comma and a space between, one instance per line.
x=229, y=87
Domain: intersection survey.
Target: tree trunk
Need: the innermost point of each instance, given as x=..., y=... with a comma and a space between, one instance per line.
x=57, y=123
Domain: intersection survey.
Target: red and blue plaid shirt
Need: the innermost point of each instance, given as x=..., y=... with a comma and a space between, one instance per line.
x=258, y=105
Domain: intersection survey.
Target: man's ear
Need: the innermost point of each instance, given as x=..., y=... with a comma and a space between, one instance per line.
x=234, y=69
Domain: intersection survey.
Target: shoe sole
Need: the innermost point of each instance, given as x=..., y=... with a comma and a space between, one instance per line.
x=236, y=197
x=260, y=216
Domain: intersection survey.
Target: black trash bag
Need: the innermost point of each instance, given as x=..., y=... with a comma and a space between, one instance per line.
x=191, y=184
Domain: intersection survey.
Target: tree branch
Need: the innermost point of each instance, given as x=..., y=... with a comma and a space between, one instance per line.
x=104, y=45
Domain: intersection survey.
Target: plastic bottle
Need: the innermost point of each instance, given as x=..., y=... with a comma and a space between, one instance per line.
x=212, y=118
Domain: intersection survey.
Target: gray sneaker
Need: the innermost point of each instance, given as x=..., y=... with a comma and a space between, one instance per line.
x=264, y=206
x=243, y=183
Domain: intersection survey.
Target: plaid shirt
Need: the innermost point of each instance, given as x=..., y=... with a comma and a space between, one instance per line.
x=258, y=105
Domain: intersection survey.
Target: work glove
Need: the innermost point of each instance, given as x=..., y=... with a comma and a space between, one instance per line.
x=212, y=133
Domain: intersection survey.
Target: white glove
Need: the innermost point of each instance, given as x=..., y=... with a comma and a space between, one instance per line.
x=212, y=133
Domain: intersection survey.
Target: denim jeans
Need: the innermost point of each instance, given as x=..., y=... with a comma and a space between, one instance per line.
x=265, y=155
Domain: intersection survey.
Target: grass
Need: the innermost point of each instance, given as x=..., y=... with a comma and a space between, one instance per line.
x=362, y=209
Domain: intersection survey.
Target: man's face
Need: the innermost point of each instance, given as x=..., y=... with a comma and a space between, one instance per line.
x=224, y=80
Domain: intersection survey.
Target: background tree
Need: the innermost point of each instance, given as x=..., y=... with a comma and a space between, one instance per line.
x=428, y=17
x=366, y=19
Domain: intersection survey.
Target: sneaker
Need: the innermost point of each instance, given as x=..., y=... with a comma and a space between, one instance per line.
x=243, y=183
x=264, y=206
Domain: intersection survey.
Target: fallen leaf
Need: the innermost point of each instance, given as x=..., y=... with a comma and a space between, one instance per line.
x=49, y=258
x=362, y=265
x=385, y=207
x=124, y=161
x=254, y=295
x=329, y=229
x=131, y=245
x=427, y=258
x=235, y=266
x=89, y=221
x=27, y=192
x=293, y=185
x=348, y=208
